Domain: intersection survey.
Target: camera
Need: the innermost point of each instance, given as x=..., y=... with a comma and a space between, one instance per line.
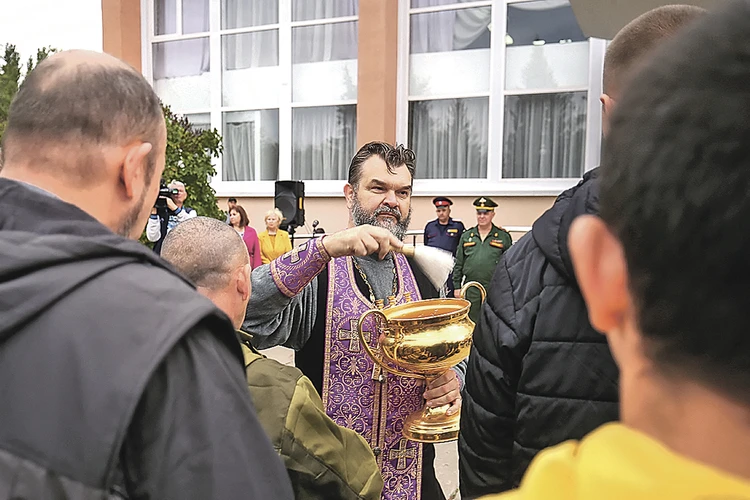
x=164, y=193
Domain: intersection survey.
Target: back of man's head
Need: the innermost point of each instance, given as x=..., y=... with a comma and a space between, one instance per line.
x=71, y=106
x=213, y=256
x=639, y=38
x=674, y=192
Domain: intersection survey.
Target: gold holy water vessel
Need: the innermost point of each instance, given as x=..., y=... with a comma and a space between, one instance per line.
x=424, y=339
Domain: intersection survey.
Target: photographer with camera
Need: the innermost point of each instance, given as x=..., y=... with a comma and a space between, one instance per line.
x=168, y=211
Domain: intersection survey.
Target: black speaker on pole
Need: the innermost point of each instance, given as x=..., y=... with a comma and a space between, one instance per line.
x=290, y=199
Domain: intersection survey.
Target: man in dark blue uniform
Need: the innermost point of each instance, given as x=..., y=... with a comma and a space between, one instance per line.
x=444, y=232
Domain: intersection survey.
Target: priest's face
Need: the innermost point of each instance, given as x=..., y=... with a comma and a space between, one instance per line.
x=381, y=198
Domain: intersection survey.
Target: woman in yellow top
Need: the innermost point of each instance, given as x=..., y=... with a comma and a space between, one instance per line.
x=274, y=242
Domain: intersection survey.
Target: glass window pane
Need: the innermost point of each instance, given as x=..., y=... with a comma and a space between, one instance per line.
x=450, y=137
x=324, y=63
x=450, y=52
x=546, y=48
x=324, y=139
x=181, y=75
x=305, y=10
x=450, y=30
x=324, y=42
x=250, y=73
x=194, y=16
x=200, y=121
x=542, y=21
x=549, y=66
x=251, y=146
x=250, y=50
x=431, y=3
x=544, y=135
x=165, y=17
x=246, y=13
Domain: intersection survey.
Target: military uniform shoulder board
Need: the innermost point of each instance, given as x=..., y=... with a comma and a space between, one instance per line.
x=497, y=244
x=469, y=243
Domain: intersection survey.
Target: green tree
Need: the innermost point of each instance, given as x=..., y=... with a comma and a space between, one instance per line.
x=11, y=77
x=189, y=159
x=190, y=154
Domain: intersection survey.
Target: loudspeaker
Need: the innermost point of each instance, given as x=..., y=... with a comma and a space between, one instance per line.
x=290, y=199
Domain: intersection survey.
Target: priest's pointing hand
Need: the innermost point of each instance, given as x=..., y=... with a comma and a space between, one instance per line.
x=360, y=241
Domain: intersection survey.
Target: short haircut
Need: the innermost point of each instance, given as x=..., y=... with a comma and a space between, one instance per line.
x=674, y=191
x=76, y=108
x=206, y=251
x=274, y=211
x=244, y=219
x=639, y=38
x=232, y=200
x=393, y=158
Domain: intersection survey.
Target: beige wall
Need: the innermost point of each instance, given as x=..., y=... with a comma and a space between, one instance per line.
x=121, y=30
x=377, y=69
x=333, y=215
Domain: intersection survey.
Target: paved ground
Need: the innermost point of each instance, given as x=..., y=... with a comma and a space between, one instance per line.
x=446, y=461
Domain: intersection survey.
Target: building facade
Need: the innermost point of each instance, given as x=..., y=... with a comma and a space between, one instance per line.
x=496, y=97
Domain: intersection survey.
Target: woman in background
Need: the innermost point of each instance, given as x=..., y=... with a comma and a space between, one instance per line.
x=241, y=223
x=274, y=242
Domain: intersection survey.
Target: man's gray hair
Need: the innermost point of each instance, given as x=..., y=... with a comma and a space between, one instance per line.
x=64, y=103
x=206, y=251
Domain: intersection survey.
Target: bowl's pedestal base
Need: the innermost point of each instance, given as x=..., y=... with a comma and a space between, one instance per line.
x=432, y=425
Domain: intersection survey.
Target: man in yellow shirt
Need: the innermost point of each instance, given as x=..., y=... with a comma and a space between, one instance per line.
x=664, y=272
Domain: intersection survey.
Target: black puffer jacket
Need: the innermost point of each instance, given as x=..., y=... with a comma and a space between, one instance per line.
x=538, y=373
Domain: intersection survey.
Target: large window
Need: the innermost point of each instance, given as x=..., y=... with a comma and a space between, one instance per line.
x=499, y=90
x=449, y=88
x=499, y=95
x=277, y=78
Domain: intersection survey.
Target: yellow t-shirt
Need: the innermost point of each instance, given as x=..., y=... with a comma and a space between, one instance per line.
x=618, y=463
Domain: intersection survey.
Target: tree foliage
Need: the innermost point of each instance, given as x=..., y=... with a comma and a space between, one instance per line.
x=190, y=154
x=11, y=76
x=189, y=159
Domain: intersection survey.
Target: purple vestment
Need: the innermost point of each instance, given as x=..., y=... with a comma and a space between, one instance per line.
x=355, y=392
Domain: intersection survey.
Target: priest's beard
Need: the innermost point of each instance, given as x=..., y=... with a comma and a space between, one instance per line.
x=398, y=227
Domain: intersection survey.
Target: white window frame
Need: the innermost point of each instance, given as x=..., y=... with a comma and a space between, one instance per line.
x=285, y=26
x=494, y=184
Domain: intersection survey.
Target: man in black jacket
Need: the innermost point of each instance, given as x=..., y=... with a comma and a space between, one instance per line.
x=118, y=379
x=539, y=373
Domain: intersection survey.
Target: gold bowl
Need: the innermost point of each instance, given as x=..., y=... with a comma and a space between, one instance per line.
x=424, y=339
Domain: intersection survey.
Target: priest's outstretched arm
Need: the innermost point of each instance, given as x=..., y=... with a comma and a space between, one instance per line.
x=283, y=300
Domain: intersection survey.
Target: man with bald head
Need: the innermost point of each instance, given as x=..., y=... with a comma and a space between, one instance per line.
x=324, y=460
x=118, y=380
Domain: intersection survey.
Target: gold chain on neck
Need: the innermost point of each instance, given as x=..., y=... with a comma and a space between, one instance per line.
x=367, y=282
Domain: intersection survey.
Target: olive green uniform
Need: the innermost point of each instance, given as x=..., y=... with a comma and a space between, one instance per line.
x=323, y=460
x=476, y=261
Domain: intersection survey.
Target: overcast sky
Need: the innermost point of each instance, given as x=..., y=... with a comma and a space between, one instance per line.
x=63, y=24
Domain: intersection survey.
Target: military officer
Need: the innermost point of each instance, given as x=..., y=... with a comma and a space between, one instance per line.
x=479, y=251
x=444, y=232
